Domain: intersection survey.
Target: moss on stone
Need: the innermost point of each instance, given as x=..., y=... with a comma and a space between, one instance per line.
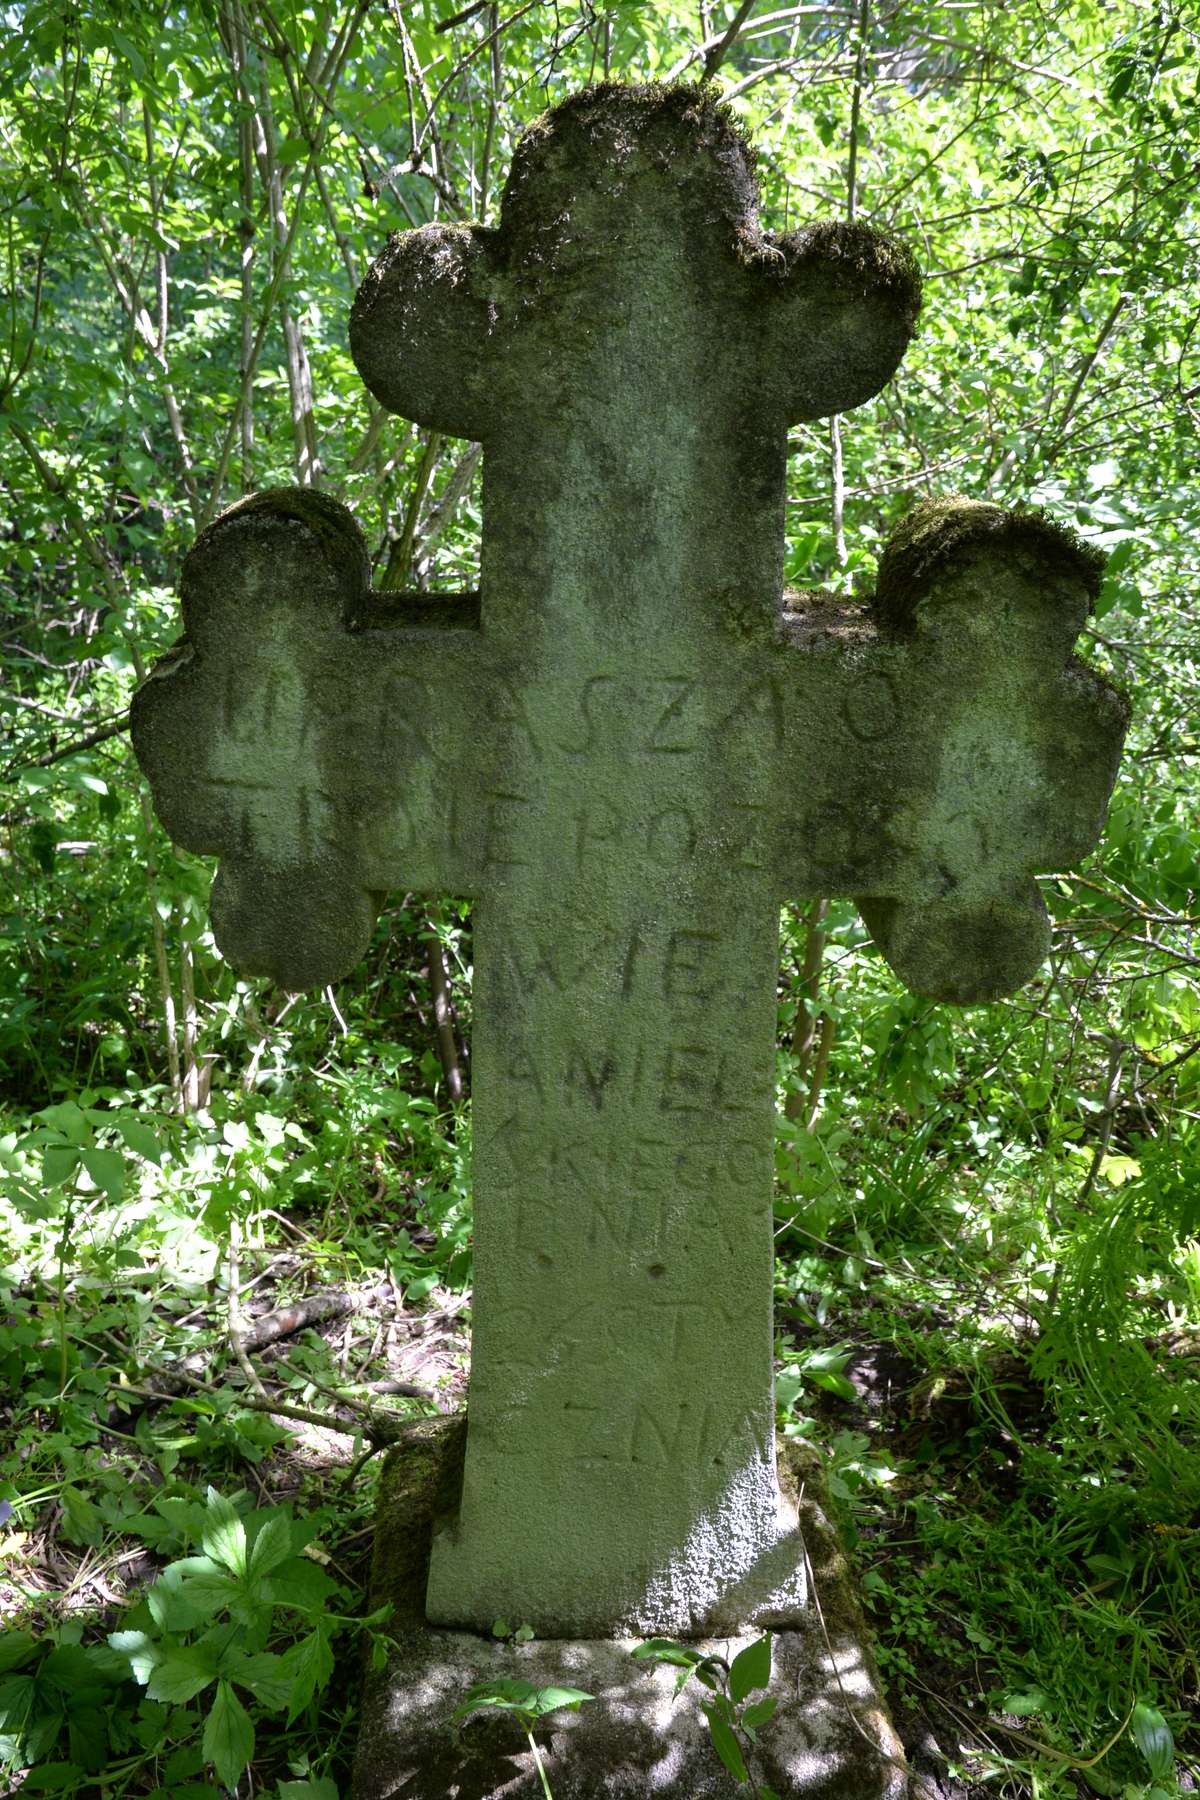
x=556, y=154
x=691, y=103
x=939, y=532
x=870, y=259
x=420, y=1484
x=328, y=519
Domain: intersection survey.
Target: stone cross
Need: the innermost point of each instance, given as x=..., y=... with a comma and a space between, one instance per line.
x=629, y=748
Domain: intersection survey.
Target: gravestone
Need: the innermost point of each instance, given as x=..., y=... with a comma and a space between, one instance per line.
x=630, y=748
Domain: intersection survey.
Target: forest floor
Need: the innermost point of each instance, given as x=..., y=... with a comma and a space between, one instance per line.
x=975, y=1572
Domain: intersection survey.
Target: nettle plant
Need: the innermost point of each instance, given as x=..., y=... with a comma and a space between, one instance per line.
x=199, y=1644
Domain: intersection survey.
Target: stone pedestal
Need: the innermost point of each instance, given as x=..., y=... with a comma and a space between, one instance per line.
x=830, y=1739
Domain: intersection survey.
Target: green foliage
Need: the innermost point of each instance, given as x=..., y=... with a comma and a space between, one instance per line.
x=734, y=1720
x=201, y=1633
x=528, y=1704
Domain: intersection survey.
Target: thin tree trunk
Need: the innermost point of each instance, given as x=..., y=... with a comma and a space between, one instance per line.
x=304, y=429
x=399, y=562
x=820, y=1067
x=439, y=981
x=165, y=991
x=809, y=1025
x=440, y=515
x=837, y=491
x=190, y=1088
x=246, y=233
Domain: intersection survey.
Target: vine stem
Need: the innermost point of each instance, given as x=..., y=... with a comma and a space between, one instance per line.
x=538, y=1764
x=64, y=1243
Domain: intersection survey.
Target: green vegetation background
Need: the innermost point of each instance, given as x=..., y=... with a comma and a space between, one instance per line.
x=988, y=1220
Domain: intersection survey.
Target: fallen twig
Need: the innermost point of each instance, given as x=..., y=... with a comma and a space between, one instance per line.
x=164, y=1384
x=377, y=1427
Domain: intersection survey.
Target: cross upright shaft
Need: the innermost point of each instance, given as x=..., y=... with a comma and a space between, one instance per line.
x=630, y=758
x=629, y=375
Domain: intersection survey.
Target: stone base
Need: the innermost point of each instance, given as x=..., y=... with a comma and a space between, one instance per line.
x=633, y=1740
x=829, y=1740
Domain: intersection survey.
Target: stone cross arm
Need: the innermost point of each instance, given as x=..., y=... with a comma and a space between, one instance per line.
x=629, y=272
x=927, y=753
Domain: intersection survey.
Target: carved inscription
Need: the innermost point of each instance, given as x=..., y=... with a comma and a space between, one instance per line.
x=270, y=707
x=686, y=1076
x=677, y=1434
x=658, y=715
x=633, y=1189
x=688, y=972
x=503, y=814
x=404, y=718
x=671, y=836
x=701, y=1077
x=758, y=709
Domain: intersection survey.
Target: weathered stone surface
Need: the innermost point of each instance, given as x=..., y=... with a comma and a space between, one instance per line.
x=630, y=750
x=830, y=1739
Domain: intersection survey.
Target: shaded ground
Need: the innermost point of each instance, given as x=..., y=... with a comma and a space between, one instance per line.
x=396, y=1362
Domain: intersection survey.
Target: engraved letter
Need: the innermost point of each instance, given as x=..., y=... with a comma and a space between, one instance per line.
x=669, y=731
x=687, y=953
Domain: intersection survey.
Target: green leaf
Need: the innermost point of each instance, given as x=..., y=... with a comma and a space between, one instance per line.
x=59, y=1163
x=1121, y=82
x=228, y=1736
x=507, y=1696
x=52, y=1778
x=182, y=1763
x=83, y=1523
x=139, y=1137
x=272, y=1544
x=77, y=1671
x=140, y=1651
x=87, y=1734
x=668, y=1651
x=224, y=1536
x=760, y=1711
x=725, y=1744
x=833, y=1383
x=1152, y=1735
x=266, y=1675
x=520, y=1697
x=16, y=1649
x=324, y=1789
x=183, y=1673
x=16, y=1699
x=197, y=1589
x=309, y=1664
x=558, y=1699
x=299, y=1582
x=68, y=1119
x=750, y=1669
x=1021, y=1705
x=107, y=1170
